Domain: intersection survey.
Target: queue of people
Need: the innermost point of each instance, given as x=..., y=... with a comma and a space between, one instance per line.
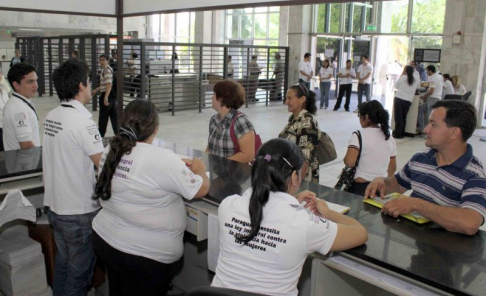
x=132, y=216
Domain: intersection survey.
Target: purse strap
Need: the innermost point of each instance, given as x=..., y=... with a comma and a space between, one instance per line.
x=358, y=134
x=232, y=133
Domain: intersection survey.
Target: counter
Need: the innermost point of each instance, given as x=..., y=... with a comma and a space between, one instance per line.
x=423, y=258
x=412, y=116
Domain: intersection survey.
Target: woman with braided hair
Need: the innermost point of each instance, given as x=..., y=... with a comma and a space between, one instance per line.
x=138, y=233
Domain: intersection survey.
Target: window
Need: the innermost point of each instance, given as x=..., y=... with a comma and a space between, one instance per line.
x=394, y=16
x=428, y=16
x=260, y=24
x=356, y=16
x=174, y=27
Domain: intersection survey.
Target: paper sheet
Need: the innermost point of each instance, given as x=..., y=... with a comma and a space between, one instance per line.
x=16, y=206
x=337, y=208
x=213, y=241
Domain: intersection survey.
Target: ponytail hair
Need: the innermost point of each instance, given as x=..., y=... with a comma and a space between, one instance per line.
x=140, y=121
x=277, y=159
x=410, y=79
x=377, y=115
x=310, y=97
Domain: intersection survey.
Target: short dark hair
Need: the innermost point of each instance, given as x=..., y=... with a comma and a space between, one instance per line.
x=306, y=55
x=66, y=79
x=254, y=57
x=75, y=52
x=18, y=72
x=459, y=114
x=231, y=93
x=431, y=68
x=414, y=62
x=447, y=76
x=229, y=57
x=105, y=56
x=349, y=61
x=365, y=56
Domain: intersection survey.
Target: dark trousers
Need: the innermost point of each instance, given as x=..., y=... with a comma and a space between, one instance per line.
x=130, y=274
x=363, y=89
x=105, y=113
x=400, y=111
x=2, y=148
x=305, y=83
x=344, y=88
x=359, y=188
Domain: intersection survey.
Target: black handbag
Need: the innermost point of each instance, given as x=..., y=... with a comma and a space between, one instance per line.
x=347, y=174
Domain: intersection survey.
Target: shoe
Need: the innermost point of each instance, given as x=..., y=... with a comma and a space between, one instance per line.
x=321, y=107
x=334, y=109
x=324, y=108
x=347, y=110
x=356, y=111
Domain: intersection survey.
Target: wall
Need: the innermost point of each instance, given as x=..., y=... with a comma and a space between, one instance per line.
x=299, y=38
x=463, y=59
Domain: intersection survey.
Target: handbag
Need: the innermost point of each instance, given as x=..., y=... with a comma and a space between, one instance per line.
x=347, y=174
x=258, y=140
x=326, y=152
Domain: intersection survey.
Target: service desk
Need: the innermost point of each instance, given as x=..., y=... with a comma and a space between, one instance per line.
x=412, y=115
x=400, y=257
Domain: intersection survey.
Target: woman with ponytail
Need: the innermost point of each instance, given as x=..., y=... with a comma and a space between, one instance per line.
x=303, y=128
x=377, y=151
x=266, y=234
x=138, y=233
x=406, y=87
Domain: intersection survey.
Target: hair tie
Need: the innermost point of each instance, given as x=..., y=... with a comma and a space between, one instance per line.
x=128, y=131
x=268, y=157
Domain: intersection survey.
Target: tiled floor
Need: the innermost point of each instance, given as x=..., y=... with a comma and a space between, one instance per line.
x=190, y=128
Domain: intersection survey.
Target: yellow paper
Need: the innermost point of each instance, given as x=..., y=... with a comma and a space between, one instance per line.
x=379, y=202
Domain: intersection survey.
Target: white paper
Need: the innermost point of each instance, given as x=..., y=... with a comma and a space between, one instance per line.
x=337, y=208
x=16, y=206
x=213, y=241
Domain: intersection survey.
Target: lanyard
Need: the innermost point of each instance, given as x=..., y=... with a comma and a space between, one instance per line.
x=68, y=106
x=15, y=95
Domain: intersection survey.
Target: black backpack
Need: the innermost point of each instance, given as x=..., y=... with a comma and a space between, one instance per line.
x=114, y=84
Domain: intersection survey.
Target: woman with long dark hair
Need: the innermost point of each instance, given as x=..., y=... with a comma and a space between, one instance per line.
x=377, y=151
x=266, y=234
x=138, y=233
x=325, y=75
x=406, y=87
x=303, y=128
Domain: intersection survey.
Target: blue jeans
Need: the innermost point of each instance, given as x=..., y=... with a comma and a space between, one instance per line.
x=75, y=257
x=325, y=89
x=363, y=88
x=305, y=83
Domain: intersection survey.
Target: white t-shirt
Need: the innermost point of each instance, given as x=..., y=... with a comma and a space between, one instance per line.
x=345, y=71
x=437, y=82
x=448, y=88
x=271, y=264
x=3, y=101
x=146, y=215
x=376, y=153
x=20, y=122
x=461, y=90
x=325, y=72
x=404, y=90
x=70, y=138
x=306, y=67
x=364, y=70
x=230, y=68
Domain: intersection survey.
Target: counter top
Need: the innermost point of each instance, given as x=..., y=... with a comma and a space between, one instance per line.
x=427, y=253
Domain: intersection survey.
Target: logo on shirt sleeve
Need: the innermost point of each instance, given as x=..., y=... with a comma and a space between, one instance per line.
x=189, y=176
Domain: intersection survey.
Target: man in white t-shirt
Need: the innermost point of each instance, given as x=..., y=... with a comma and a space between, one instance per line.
x=305, y=71
x=448, y=87
x=436, y=84
x=346, y=76
x=231, y=70
x=364, y=73
x=72, y=147
x=20, y=120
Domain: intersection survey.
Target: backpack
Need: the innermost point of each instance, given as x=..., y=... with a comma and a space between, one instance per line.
x=114, y=83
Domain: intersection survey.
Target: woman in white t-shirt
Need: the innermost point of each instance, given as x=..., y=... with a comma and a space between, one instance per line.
x=459, y=89
x=406, y=87
x=325, y=75
x=378, y=149
x=266, y=234
x=138, y=232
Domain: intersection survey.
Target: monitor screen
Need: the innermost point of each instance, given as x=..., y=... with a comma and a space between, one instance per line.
x=427, y=55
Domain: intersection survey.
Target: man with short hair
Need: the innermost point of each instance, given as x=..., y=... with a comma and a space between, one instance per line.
x=72, y=144
x=448, y=181
x=17, y=59
x=436, y=83
x=231, y=70
x=279, y=74
x=254, y=71
x=20, y=120
x=364, y=73
x=107, y=102
x=305, y=71
x=346, y=76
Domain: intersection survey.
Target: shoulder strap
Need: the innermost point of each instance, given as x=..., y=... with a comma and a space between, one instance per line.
x=358, y=134
x=233, y=134
x=27, y=105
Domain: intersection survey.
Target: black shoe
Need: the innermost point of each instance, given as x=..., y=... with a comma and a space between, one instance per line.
x=347, y=110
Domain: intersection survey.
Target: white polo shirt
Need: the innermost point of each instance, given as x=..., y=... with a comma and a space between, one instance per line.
x=271, y=264
x=437, y=82
x=70, y=138
x=146, y=215
x=3, y=101
x=404, y=90
x=448, y=89
x=306, y=67
x=345, y=71
x=364, y=70
x=325, y=72
x=20, y=122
